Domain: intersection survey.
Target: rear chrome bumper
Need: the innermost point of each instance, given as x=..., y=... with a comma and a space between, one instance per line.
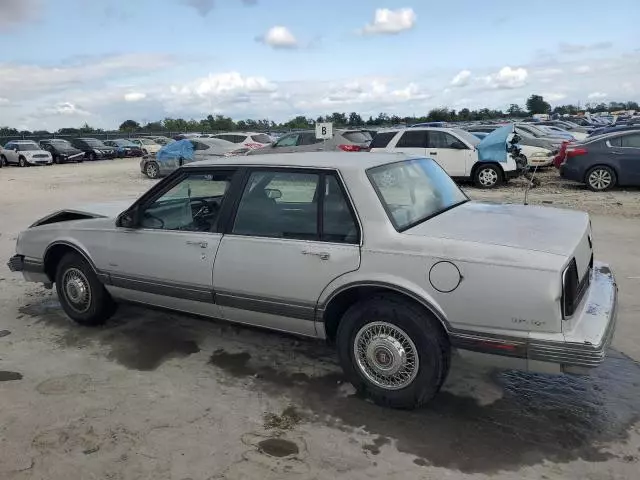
x=582, y=348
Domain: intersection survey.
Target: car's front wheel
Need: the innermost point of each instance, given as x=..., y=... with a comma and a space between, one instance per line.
x=601, y=178
x=82, y=296
x=393, y=351
x=22, y=162
x=152, y=170
x=4, y=162
x=93, y=157
x=488, y=176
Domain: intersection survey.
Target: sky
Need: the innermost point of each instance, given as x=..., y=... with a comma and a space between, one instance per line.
x=67, y=62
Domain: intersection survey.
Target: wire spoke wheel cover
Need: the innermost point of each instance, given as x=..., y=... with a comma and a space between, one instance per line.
x=600, y=179
x=76, y=290
x=152, y=170
x=488, y=177
x=386, y=355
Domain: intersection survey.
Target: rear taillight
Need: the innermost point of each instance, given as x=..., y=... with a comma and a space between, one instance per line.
x=576, y=152
x=352, y=148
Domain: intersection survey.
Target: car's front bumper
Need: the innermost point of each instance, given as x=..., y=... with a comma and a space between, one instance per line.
x=581, y=348
x=32, y=269
x=40, y=161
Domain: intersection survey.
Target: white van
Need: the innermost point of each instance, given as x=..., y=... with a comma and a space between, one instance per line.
x=456, y=151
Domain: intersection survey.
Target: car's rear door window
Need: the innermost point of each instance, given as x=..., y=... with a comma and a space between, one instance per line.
x=413, y=139
x=382, y=139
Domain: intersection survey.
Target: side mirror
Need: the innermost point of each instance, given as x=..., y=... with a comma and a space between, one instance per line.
x=273, y=193
x=128, y=219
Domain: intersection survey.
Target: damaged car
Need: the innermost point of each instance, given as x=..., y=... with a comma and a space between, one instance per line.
x=62, y=151
x=380, y=254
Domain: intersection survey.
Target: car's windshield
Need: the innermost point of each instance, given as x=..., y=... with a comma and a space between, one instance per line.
x=466, y=136
x=261, y=138
x=146, y=141
x=59, y=142
x=124, y=143
x=413, y=191
x=94, y=142
x=27, y=147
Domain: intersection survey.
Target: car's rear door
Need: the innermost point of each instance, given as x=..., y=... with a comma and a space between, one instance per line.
x=411, y=141
x=626, y=151
x=10, y=153
x=166, y=258
x=293, y=232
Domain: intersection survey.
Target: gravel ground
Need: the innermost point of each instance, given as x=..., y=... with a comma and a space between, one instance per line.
x=162, y=396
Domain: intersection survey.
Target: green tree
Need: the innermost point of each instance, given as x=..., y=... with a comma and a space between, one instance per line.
x=355, y=119
x=129, y=126
x=514, y=110
x=536, y=104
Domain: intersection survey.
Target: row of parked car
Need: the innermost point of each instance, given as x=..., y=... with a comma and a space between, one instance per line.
x=25, y=153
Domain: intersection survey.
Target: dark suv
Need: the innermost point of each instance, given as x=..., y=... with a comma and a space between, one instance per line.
x=61, y=150
x=93, y=148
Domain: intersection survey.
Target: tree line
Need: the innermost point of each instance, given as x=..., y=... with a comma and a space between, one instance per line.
x=535, y=104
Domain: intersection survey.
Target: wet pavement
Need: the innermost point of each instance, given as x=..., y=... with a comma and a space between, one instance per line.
x=536, y=417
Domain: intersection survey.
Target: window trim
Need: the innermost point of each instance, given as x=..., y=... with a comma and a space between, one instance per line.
x=322, y=174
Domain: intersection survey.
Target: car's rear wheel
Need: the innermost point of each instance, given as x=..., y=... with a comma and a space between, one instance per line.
x=601, y=178
x=393, y=351
x=487, y=176
x=22, y=162
x=3, y=161
x=82, y=296
x=152, y=170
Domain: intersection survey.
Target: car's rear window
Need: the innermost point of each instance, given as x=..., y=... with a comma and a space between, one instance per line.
x=357, y=136
x=382, y=139
x=261, y=138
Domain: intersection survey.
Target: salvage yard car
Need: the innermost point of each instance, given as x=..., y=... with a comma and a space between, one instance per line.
x=380, y=253
x=62, y=151
x=25, y=153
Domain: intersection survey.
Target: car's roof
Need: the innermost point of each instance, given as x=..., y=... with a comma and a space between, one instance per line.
x=22, y=141
x=334, y=160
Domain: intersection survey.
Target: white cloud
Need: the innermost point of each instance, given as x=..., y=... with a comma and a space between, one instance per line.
x=134, y=96
x=67, y=109
x=13, y=12
x=4, y=101
x=596, y=95
x=582, y=69
x=554, y=97
x=203, y=7
x=391, y=21
x=461, y=79
x=507, y=78
x=581, y=48
x=279, y=37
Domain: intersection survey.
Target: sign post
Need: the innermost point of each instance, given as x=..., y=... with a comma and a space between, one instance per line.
x=324, y=130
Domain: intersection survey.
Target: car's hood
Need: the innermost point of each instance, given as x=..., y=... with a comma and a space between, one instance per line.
x=493, y=147
x=85, y=212
x=542, y=229
x=30, y=153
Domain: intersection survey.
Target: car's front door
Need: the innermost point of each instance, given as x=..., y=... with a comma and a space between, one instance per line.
x=294, y=231
x=450, y=152
x=166, y=258
x=10, y=153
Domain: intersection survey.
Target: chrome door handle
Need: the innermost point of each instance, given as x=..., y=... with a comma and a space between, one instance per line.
x=197, y=244
x=321, y=255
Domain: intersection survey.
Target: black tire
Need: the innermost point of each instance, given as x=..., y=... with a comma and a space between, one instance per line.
x=420, y=327
x=488, y=176
x=92, y=156
x=74, y=274
x=22, y=162
x=601, y=178
x=152, y=170
x=4, y=161
x=56, y=159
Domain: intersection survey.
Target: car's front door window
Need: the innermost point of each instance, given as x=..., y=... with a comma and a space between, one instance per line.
x=192, y=205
